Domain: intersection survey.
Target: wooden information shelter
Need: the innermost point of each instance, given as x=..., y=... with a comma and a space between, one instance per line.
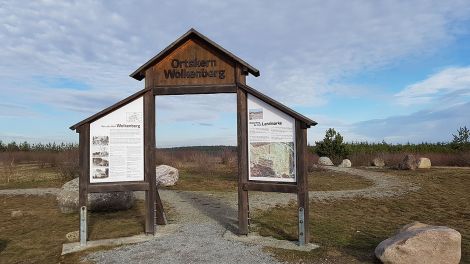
x=194, y=64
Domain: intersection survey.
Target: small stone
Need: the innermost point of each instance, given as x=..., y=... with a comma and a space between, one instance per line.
x=345, y=164
x=424, y=163
x=378, y=162
x=73, y=236
x=421, y=243
x=166, y=175
x=17, y=213
x=325, y=161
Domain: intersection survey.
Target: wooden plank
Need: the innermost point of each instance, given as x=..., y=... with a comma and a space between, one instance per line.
x=110, y=109
x=191, y=34
x=84, y=162
x=193, y=62
x=160, y=217
x=270, y=187
x=118, y=187
x=194, y=89
x=302, y=179
x=149, y=161
x=307, y=121
x=242, y=140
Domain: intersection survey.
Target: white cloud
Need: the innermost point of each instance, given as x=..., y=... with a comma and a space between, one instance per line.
x=301, y=47
x=450, y=83
x=429, y=125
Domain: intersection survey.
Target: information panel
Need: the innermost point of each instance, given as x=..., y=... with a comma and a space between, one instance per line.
x=117, y=145
x=271, y=143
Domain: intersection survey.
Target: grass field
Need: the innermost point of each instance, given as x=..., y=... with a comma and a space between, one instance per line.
x=349, y=230
x=38, y=235
x=226, y=179
x=30, y=175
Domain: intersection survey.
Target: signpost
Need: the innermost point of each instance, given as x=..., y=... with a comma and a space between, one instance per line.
x=117, y=145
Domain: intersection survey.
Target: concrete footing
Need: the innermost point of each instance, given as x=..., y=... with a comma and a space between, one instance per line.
x=254, y=238
x=75, y=247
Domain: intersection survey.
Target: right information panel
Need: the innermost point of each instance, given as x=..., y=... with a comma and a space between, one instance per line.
x=271, y=143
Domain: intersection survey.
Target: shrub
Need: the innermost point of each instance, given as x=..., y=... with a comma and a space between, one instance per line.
x=332, y=146
x=461, y=141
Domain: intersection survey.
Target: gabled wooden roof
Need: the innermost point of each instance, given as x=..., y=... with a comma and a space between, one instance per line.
x=139, y=74
x=110, y=109
x=307, y=121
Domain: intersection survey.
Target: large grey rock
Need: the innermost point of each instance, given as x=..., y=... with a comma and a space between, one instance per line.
x=325, y=161
x=166, y=175
x=420, y=243
x=408, y=163
x=378, y=162
x=424, y=163
x=67, y=199
x=345, y=164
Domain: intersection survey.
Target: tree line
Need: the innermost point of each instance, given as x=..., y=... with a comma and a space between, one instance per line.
x=36, y=147
x=334, y=147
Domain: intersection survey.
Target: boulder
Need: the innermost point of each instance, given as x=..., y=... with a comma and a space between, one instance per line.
x=421, y=243
x=325, y=161
x=166, y=175
x=408, y=163
x=345, y=164
x=424, y=163
x=378, y=162
x=67, y=199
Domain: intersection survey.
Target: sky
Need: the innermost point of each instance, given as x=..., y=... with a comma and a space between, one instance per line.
x=397, y=71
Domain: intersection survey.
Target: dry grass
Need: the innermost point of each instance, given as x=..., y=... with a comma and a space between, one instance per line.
x=326, y=180
x=37, y=237
x=461, y=159
x=225, y=179
x=30, y=175
x=349, y=230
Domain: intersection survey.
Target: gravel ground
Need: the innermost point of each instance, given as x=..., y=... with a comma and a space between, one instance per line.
x=203, y=219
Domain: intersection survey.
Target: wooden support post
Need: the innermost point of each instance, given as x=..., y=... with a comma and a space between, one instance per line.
x=149, y=161
x=302, y=179
x=84, y=163
x=242, y=139
x=160, y=216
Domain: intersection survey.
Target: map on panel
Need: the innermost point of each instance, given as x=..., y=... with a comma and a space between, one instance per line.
x=271, y=147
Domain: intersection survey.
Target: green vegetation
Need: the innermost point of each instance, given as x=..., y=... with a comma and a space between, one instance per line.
x=25, y=146
x=349, y=230
x=332, y=146
x=461, y=141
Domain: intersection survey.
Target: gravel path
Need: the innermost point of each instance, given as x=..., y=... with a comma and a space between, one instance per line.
x=384, y=185
x=203, y=218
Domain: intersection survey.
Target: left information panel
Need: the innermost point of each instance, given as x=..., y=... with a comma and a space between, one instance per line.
x=117, y=145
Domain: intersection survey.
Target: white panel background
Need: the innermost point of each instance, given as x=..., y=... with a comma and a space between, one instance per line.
x=133, y=165
x=270, y=114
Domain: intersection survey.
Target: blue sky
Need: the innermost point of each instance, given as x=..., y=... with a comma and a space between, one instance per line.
x=397, y=71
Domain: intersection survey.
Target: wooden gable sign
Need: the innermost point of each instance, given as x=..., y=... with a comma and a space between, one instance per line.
x=193, y=59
